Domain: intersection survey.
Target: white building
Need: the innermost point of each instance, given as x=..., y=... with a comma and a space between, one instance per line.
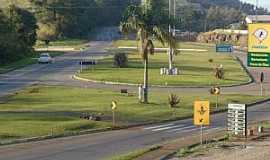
x=258, y=19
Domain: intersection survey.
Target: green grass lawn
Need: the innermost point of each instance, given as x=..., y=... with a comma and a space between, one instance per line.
x=37, y=110
x=195, y=68
x=24, y=62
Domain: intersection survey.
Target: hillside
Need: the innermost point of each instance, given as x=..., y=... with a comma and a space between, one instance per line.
x=5, y=3
x=246, y=8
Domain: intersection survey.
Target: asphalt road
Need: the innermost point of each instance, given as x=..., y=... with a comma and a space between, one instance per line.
x=59, y=72
x=107, y=144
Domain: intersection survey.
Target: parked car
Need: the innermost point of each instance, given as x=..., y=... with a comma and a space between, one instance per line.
x=45, y=58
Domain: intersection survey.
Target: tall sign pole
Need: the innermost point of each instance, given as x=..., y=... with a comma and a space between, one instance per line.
x=261, y=82
x=114, y=107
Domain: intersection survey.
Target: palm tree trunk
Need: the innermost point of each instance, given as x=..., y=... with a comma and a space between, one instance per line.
x=145, y=85
x=170, y=60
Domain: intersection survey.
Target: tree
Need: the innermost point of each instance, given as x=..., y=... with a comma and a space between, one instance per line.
x=145, y=21
x=18, y=34
x=47, y=32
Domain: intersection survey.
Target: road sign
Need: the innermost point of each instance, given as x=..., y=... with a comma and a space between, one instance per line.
x=259, y=38
x=256, y=59
x=237, y=119
x=258, y=45
x=224, y=48
x=215, y=90
x=201, y=112
x=114, y=105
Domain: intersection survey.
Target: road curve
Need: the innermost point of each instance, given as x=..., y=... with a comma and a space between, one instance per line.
x=107, y=144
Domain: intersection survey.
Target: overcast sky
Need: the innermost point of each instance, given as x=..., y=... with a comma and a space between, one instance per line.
x=262, y=3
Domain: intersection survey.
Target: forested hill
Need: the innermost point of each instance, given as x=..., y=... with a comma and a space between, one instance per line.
x=236, y=4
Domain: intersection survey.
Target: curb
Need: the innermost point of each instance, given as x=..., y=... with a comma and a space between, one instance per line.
x=159, y=86
x=47, y=137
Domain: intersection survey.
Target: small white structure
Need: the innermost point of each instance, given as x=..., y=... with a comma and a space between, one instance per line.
x=258, y=19
x=166, y=71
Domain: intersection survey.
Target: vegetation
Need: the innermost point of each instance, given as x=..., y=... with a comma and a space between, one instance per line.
x=193, y=71
x=197, y=15
x=149, y=22
x=18, y=34
x=120, y=60
x=39, y=110
x=173, y=100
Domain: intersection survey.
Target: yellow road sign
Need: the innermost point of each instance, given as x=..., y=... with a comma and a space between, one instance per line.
x=201, y=112
x=114, y=105
x=259, y=38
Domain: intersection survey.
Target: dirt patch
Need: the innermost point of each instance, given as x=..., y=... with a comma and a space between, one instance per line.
x=251, y=150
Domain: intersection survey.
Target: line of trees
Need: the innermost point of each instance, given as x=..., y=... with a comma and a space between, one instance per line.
x=17, y=34
x=76, y=18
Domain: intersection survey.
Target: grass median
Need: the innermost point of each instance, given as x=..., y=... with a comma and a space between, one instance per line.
x=196, y=68
x=41, y=110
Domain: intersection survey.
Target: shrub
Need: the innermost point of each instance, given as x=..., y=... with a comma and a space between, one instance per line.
x=219, y=72
x=120, y=60
x=173, y=101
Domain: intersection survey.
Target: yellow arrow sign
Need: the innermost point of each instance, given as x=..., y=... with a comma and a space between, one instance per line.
x=201, y=112
x=114, y=105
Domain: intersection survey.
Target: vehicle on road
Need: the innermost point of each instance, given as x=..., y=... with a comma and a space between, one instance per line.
x=45, y=58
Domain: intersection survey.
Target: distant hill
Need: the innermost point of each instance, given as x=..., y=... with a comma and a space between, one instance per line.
x=23, y=3
x=236, y=4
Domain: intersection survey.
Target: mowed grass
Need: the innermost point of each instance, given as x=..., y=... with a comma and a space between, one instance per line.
x=195, y=68
x=41, y=110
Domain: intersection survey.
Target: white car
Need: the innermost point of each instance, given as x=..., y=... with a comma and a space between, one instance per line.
x=45, y=58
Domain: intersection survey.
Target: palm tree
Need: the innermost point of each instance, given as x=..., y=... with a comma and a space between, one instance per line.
x=148, y=22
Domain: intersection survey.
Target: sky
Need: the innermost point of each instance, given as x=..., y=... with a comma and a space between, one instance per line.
x=262, y=3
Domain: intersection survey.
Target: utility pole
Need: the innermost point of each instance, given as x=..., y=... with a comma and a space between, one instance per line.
x=257, y=4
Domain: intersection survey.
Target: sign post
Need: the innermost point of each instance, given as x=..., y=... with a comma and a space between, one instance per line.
x=224, y=48
x=201, y=115
x=261, y=82
x=114, y=107
x=215, y=91
x=237, y=119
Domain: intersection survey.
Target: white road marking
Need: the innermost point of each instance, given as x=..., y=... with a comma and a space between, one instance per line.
x=182, y=128
x=154, y=127
x=166, y=128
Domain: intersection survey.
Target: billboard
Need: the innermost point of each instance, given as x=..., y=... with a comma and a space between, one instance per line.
x=259, y=45
x=259, y=38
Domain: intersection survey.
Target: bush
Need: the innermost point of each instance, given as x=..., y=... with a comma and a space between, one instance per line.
x=219, y=72
x=173, y=100
x=120, y=60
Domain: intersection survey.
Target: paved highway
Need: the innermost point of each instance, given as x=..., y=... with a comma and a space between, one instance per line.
x=108, y=144
x=103, y=145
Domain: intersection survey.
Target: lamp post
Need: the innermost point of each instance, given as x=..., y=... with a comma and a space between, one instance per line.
x=256, y=10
